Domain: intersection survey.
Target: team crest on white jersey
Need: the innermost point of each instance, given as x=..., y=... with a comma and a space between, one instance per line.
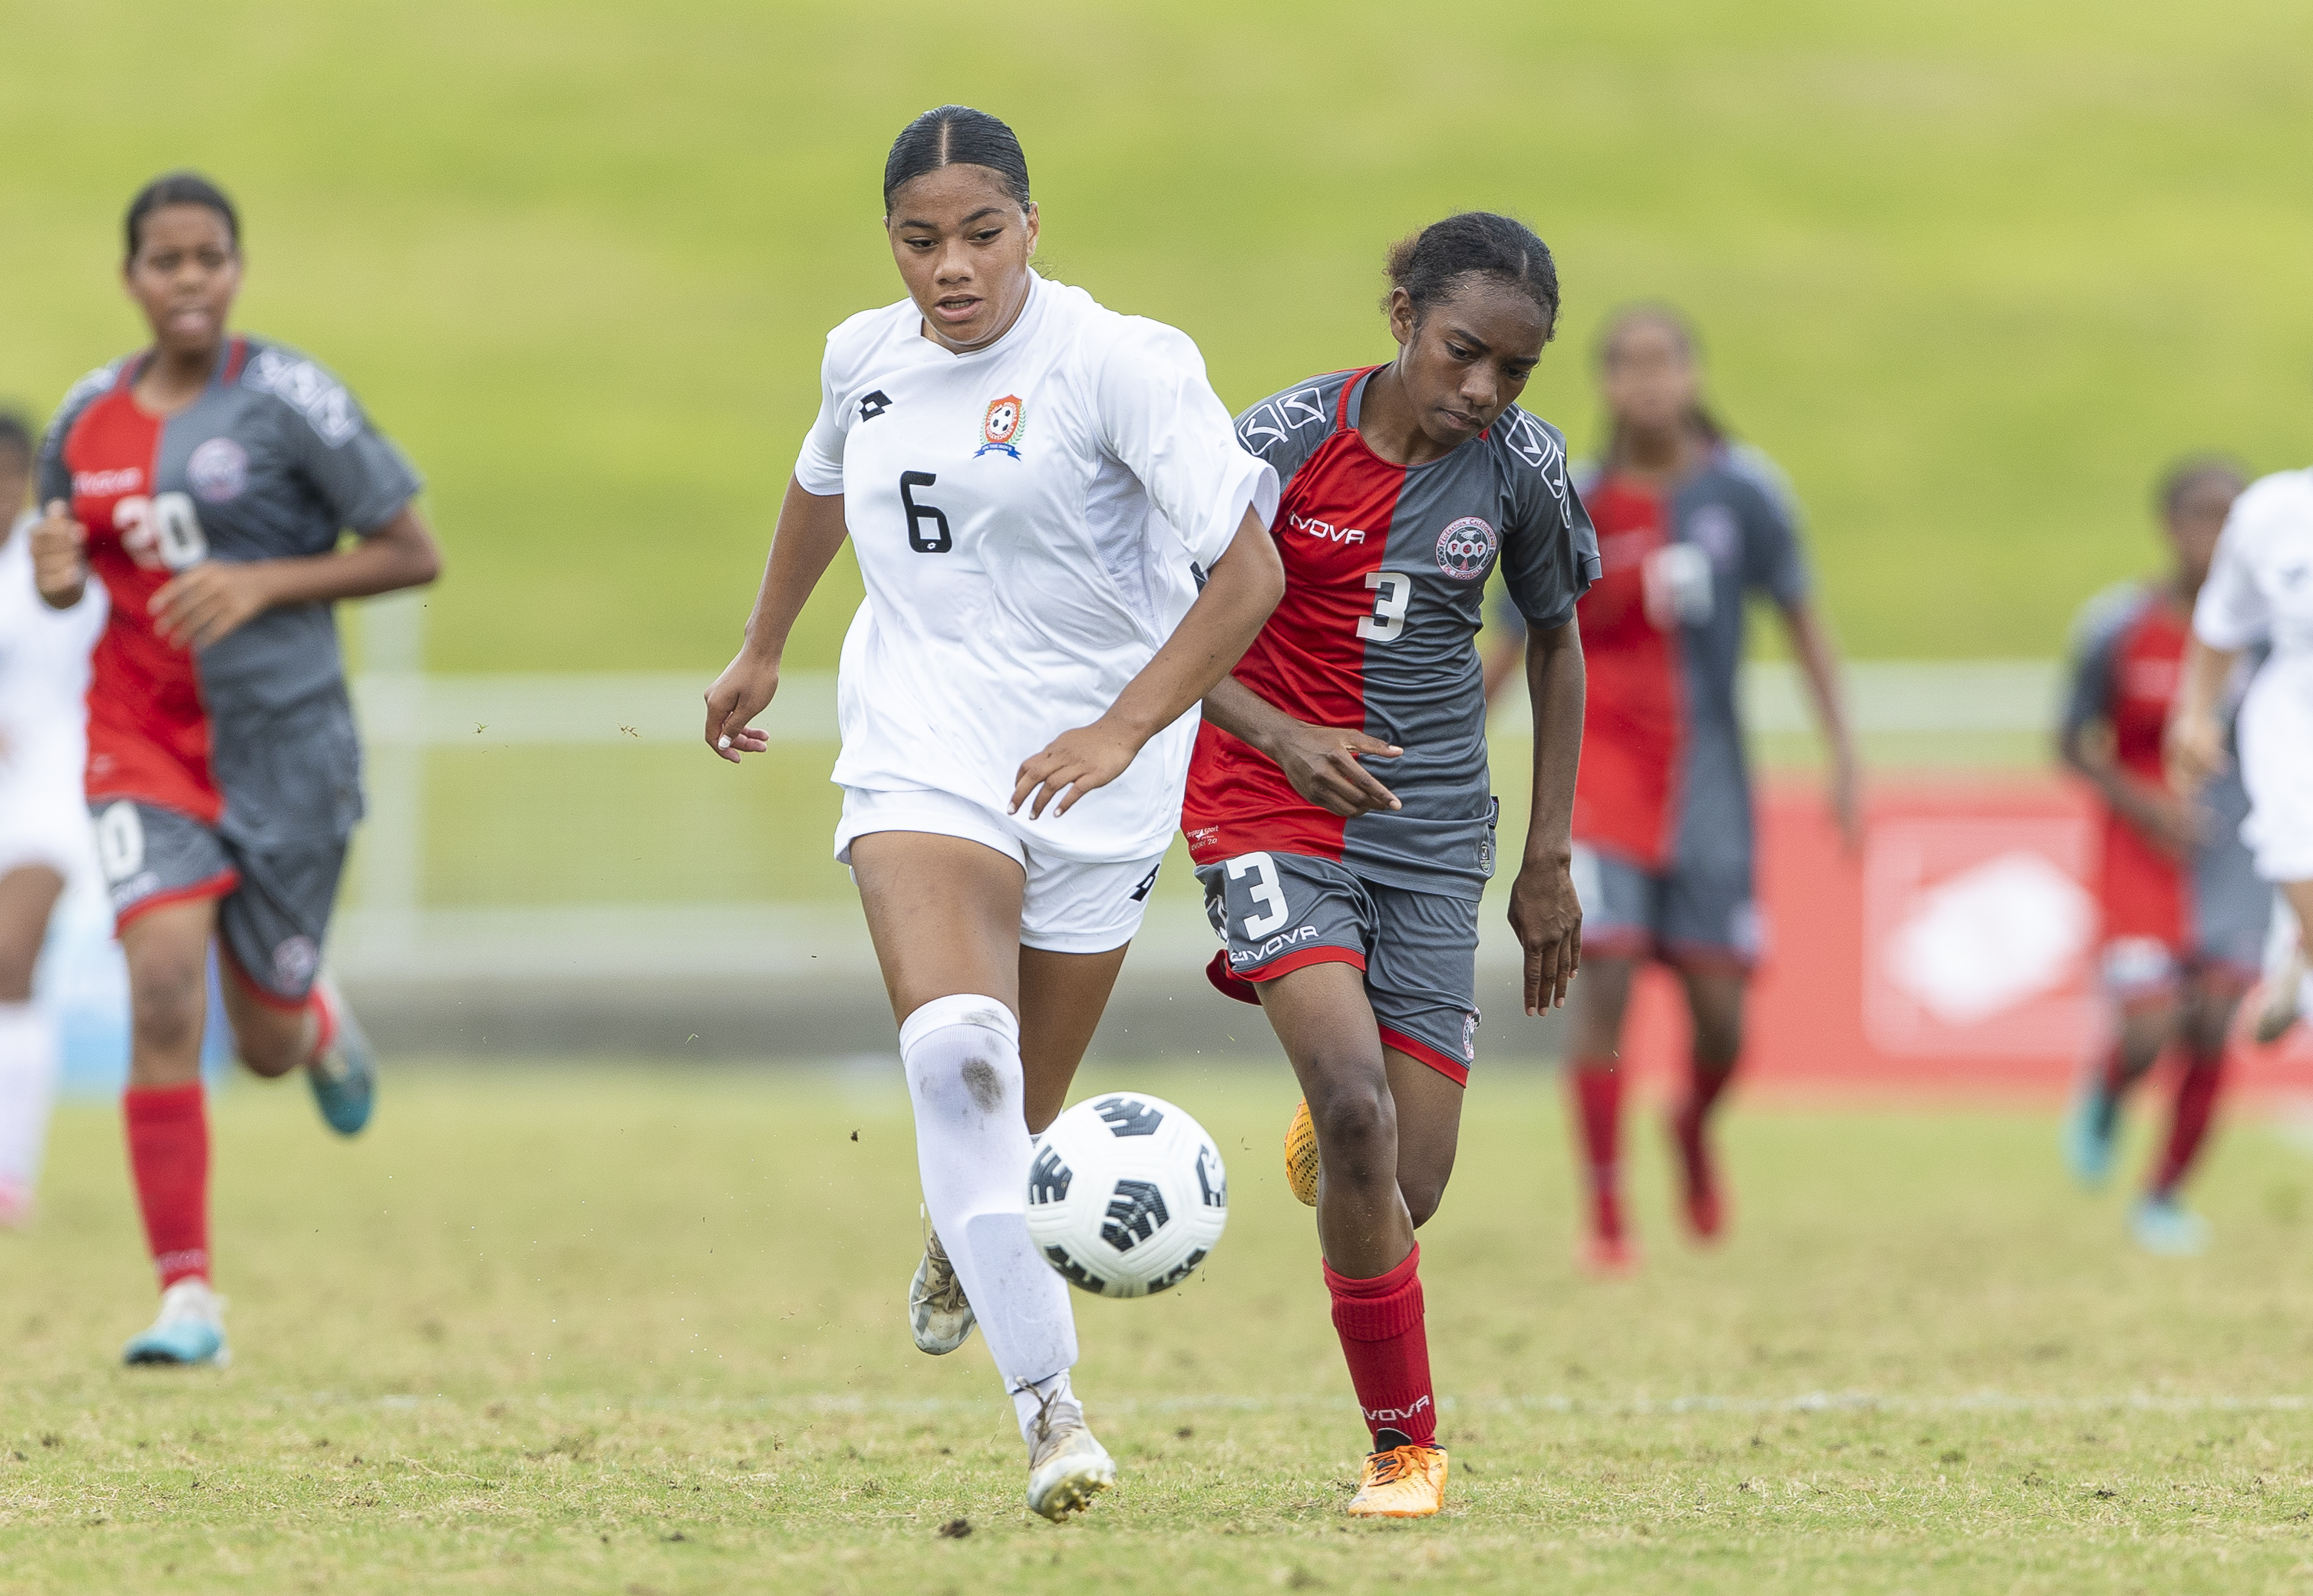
x=999, y=429
x=1465, y=549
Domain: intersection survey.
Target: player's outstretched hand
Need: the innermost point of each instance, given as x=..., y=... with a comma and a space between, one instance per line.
x=2194, y=748
x=59, y=557
x=211, y=602
x=1072, y=764
x=1322, y=764
x=744, y=691
x=1547, y=916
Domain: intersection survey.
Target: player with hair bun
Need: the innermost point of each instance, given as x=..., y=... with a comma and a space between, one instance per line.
x=2184, y=911
x=1346, y=897
x=1064, y=549
x=204, y=482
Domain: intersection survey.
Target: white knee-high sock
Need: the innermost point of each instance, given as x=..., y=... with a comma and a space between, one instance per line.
x=962, y=1055
x=28, y=1086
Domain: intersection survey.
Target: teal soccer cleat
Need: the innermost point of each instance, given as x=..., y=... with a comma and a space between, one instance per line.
x=2090, y=1123
x=343, y=1074
x=2163, y=1226
x=188, y=1332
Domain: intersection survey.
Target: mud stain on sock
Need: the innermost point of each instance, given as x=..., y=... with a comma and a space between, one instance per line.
x=980, y=1079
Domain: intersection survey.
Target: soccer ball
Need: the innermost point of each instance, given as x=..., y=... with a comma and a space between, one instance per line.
x=1126, y=1194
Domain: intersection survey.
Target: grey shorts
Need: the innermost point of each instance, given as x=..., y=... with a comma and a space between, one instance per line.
x=273, y=908
x=1418, y=951
x=1696, y=917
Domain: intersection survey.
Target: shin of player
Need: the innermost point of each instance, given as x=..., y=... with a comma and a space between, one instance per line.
x=1349, y=906
x=1047, y=504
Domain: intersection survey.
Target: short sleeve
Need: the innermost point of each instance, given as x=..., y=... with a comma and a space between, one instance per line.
x=1774, y=548
x=1550, y=557
x=1160, y=416
x=2089, y=663
x=356, y=469
x=52, y=478
x=2231, y=612
x=819, y=465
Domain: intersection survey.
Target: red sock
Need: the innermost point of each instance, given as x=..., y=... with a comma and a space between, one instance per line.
x=1388, y=1349
x=2188, y=1124
x=1704, y=1084
x=169, y=1155
x=1599, y=1104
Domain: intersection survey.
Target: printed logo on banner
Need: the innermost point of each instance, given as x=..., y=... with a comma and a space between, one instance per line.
x=1977, y=931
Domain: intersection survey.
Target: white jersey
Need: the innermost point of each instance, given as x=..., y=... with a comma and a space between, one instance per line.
x=43, y=712
x=1032, y=519
x=2260, y=590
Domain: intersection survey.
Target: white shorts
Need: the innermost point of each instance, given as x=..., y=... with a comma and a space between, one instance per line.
x=2276, y=764
x=1069, y=906
x=42, y=818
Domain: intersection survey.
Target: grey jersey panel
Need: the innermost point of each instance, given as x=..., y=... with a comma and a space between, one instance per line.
x=1503, y=500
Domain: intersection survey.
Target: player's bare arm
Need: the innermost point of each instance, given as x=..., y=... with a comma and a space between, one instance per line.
x=1544, y=911
x=811, y=529
x=1322, y=762
x=2162, y=816
x=60, y=556
x=2196, y=738
x=1819, y=658
x=216, y=599
x=1241, y=588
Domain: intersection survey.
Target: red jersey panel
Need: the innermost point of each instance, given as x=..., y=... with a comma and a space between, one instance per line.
x=1633, y=716
x=2126, y=673
x=148, y=732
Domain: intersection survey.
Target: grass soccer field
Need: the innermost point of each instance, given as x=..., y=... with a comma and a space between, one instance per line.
x=641, y=1332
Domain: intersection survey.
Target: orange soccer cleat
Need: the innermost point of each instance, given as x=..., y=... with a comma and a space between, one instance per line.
x=1405, y=1482
x=1301, y=1156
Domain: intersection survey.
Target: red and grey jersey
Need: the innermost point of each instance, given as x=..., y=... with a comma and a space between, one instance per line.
x=1664, y=781
x=253, y=735
x=2126, y=666
x=1385, y=570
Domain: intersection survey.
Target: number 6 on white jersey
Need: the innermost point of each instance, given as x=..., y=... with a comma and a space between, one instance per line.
x=1388, y=621
x=1265, y=891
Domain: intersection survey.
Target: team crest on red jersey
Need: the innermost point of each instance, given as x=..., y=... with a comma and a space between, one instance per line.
x=1001, y=427
x=1465, y=549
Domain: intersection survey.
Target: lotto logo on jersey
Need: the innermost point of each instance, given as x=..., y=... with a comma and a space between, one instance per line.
x=1466, y=549
x=999, y=429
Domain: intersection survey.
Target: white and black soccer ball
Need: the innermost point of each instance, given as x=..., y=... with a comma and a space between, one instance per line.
x=1126, y=1194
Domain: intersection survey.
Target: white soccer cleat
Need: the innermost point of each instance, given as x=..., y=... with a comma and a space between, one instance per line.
x=1067, y=1467
x=939, y=1316
x=188, y=1332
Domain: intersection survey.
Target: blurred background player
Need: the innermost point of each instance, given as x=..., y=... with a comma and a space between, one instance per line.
x=204, y=482
x=44, y=839
x=1690, y=525
x=1064, y=549
x=2260, y=592
x=1349, y=908
x=2185, y=914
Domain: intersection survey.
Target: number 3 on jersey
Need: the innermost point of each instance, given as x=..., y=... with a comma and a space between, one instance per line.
x=1394, y=595
x=939, y=542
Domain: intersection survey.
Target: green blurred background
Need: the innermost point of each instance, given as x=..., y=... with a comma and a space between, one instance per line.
x=1971, y=270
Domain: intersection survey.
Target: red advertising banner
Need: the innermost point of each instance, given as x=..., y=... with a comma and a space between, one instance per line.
x=1958, y=952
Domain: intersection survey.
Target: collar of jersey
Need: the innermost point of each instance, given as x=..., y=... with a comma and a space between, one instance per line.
x=1038, y=291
